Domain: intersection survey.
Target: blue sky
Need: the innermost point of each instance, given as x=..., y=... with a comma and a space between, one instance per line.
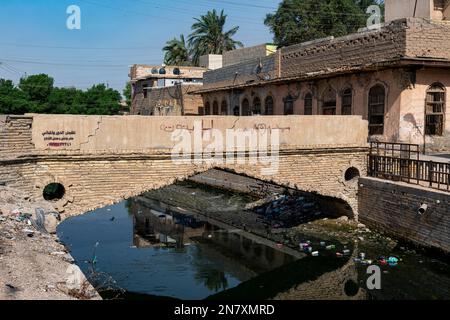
x=114, y=34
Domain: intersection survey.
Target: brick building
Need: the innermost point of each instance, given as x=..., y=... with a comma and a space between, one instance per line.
x=397, y=77
x=166, y=90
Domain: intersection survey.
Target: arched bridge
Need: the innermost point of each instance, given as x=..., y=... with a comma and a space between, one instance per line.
x=101, y=160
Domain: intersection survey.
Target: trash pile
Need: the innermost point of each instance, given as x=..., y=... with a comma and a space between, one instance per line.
x=362, y=259
x=39, y=221
x=308, y=248
x=288, y=211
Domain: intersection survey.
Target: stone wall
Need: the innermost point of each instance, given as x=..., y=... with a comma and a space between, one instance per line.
x=168, y=101
x=241, y=73
x=15, y=135
x=393, y=207
x=107, y=159
x=96, y=180
x=251, y=53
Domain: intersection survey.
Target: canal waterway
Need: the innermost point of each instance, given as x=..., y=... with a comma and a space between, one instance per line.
x=188, y=241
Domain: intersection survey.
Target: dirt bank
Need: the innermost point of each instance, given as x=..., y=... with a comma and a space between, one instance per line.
x=33, y=264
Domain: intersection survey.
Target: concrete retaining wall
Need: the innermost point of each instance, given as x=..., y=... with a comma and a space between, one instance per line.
x=393, y=207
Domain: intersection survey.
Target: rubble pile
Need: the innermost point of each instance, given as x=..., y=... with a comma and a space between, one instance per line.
x=287, y=211
x=34, y=265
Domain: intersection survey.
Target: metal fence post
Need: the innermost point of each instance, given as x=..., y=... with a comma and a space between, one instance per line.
x=430, y=172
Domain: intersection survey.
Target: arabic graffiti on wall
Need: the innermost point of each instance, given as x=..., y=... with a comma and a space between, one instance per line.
x=209, y=126
x=59, y=139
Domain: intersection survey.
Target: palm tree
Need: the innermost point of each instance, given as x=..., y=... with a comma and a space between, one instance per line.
x=209, y=37
x=176, y=52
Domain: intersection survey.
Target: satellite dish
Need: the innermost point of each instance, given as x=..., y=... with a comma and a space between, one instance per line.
x=176, y=71
x=162, y=70
x=155, y=71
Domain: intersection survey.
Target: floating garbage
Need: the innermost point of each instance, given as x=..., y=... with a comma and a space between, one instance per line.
x=304, y=246
x=362, y=255
x=339, y=255
x=346, y=252
x=331, y=247
x=315, y=253
x=322, y=244
x=392, y=261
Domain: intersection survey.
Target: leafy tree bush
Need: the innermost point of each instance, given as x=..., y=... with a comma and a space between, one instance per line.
x=37, y=94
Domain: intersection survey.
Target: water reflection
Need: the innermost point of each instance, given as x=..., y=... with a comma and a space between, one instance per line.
x=149, y=247
x=158, y=244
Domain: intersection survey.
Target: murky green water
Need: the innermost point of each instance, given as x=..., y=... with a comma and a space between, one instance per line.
x=157, y=245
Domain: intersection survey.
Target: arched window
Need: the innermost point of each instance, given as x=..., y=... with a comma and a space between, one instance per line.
x=245, y=108
x=224, y=108
x=256, y=110
x=288, y=105
x=346, y=99
x=435, y=110
x=329, y=102
x=308, y=104
x=377, y=100
x=215, y=108
x=268, y=106
x=207, y=108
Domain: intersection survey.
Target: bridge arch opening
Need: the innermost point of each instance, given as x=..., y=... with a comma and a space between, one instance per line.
x=351, y=288
x=351, y=174
x=54, y=192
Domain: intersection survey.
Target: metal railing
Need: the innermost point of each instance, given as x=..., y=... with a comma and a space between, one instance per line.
x=402, y=165
x=395, y=150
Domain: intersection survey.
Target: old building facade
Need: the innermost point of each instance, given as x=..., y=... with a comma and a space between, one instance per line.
x=166, y=90
x=397, y=77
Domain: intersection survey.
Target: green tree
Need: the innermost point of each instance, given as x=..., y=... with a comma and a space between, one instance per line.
x=209, y=36
x=36, y=94
x=127, y=94
x=177, y=52
x=38, y=87
x=102, y=100
x=13, y=100
x=298, y=21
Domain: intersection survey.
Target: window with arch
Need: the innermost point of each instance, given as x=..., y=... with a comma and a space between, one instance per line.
x=308, y=104
x=435, y=110
x=268, y=106
x=377, y=101
x=256, y=110
x=224, y=108
x=346, y=101
x=288, y=105
x=215, y=108
x=207, y=108
x=329, y=102
x=245, y=107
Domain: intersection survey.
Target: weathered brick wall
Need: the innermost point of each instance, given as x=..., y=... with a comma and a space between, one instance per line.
x=239, y=73
x=393, y=208
x=109, y=159
x=405, y=38
x=93, y=181
x=250, y=53
x=428, y=40
x=168, y=101
x=345, y=52
x=15, y=135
